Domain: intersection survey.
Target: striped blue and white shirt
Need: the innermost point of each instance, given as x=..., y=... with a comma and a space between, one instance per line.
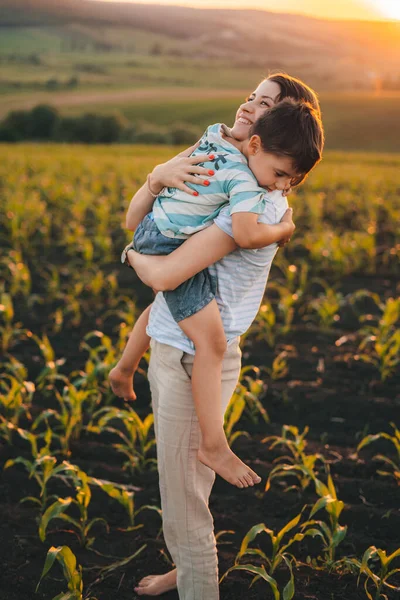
x=242, y=277
x=178, y=214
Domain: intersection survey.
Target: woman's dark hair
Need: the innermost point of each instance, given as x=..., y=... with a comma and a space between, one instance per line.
x=296, y=89
x=292, y=128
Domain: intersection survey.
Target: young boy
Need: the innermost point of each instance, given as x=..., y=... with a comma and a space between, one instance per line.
x=284, y=145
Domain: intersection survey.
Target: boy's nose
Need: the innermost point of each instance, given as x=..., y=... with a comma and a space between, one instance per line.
x=281, y=185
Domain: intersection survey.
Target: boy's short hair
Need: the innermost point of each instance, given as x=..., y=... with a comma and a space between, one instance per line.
x=292, y=128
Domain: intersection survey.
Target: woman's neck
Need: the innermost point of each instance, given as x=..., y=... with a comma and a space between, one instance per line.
x=226, y=135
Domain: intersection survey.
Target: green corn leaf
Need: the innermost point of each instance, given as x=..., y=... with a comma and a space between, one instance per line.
x=288, y=527
x=123, y=562
x=68, y=596
x=256, y=552
x=19, y=460
x=321, y=503
x=251, y=535
x=368, y=440
x=393, y=556
x=30, y=499
x=54, y=511
x=93, y=522
x=321, y=488
x=260, y=572
x=67, y=559
x=237, y=435
x=288, y=590
x=339, y=535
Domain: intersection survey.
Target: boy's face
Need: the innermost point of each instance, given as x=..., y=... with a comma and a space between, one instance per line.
x=257, y=103
x=272, y=172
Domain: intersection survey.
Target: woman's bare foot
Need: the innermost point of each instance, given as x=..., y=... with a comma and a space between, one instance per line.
x=155, y=585
x=224, y=462
x=122, y=383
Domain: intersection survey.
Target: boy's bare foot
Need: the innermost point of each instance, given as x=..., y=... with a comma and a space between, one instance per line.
x=224, y=462
x=155, y=585
x=122, y=383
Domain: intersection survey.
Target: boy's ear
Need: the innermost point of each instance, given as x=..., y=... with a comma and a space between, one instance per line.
x=254, y=144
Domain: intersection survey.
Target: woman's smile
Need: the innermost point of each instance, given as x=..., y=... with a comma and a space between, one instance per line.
x=253, y=107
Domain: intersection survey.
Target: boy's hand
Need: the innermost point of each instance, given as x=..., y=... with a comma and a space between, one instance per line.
x=287, y=218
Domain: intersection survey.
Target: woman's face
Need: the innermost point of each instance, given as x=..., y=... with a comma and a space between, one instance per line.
x=257, y=103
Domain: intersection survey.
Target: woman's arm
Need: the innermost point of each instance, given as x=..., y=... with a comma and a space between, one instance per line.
x=201, y=250
x=248, y=233
x=172, y=173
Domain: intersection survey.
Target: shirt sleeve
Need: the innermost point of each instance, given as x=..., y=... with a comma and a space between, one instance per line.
x=245, y=195
x=275, y=206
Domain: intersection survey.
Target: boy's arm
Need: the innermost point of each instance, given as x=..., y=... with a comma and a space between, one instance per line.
x=138, y=343
x=201, y=250
x=248, y=233
x=247, y=201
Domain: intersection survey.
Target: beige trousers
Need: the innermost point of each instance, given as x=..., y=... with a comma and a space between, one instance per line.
x=185, y=483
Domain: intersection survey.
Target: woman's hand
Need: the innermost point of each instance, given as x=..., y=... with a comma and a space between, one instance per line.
x=180, y=169
x=287, y=218
x=287, y=191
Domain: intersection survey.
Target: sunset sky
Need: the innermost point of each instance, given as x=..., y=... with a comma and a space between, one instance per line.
x=331, y=9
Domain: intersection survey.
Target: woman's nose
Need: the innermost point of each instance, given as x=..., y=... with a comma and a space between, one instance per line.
x=246, y=107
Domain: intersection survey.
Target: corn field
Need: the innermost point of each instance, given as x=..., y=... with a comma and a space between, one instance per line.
x=316, y=410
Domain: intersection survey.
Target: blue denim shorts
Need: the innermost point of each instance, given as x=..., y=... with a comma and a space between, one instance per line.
x=192, y=295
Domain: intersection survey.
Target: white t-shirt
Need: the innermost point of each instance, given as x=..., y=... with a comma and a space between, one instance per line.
x=242, y=277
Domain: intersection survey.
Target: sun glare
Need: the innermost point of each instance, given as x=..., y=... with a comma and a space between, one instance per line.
x=389, y=8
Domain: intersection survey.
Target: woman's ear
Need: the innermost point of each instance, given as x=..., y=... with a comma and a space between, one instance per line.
x=254, y=144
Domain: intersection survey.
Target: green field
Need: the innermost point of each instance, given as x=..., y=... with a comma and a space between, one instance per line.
x=149, y=78
x=317, y=399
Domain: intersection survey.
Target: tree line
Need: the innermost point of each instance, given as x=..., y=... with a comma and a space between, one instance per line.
x=44, y=123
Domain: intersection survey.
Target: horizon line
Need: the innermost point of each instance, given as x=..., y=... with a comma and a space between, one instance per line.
x=194, y=5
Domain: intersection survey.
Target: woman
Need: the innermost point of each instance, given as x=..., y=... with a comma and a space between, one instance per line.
x=186, y=483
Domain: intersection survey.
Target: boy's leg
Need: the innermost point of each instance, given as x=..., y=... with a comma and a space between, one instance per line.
x=121, y=376
x=207, y=333
x=185, y=483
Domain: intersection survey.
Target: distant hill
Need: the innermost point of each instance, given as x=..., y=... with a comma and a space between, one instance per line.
x=346, y=52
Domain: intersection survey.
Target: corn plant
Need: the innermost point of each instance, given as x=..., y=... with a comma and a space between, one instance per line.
x=394, y=465
x=251, y=388
x=50, y=373
x=57, y=510
x=376, y=566
x=41, y=468
x=279, y=368
x=125, y=497
x=15, y=402
x=9, y=331
x=292, y=292
x=277, y=557
x=72, y=573
x=297, y=464
x=263, y=326
x=232, y=415
x=325, y=308
x=331, y=533
x=134, y=435
x=69, y=418
x=19, y=277
x=16, y=369
x=380, y=345
x=102, y=357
